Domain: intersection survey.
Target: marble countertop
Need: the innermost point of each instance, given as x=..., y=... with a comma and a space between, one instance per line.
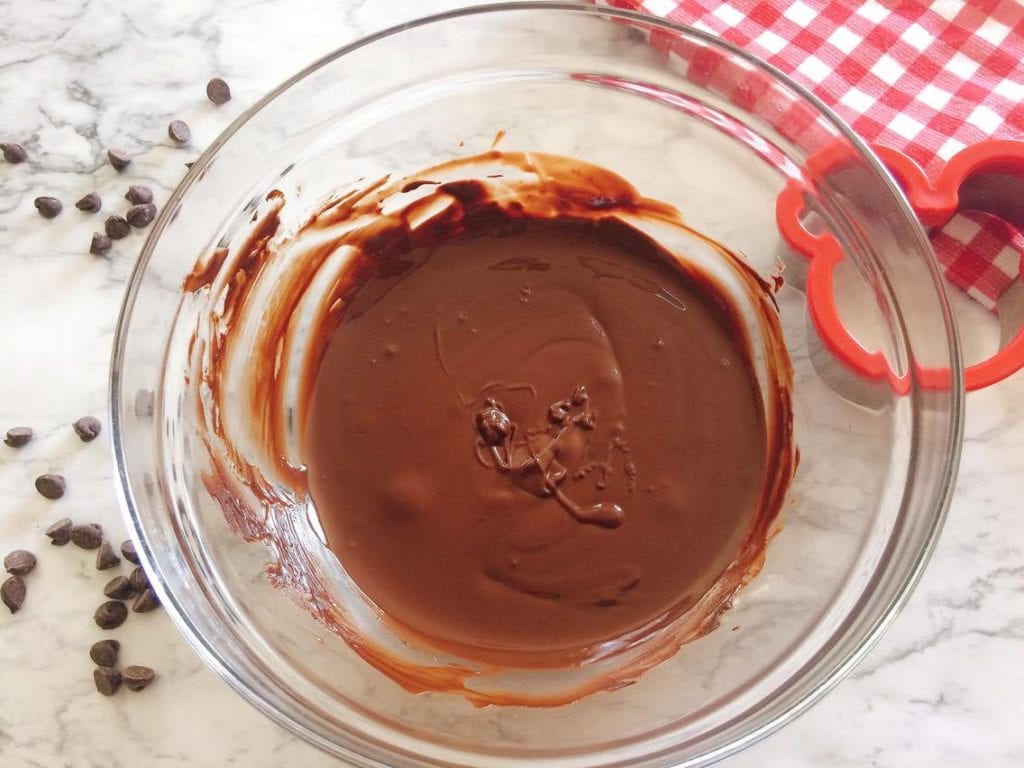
x=944, y=687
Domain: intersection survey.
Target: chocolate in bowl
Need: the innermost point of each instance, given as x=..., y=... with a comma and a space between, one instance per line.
x=561, y=79
x=403, y=313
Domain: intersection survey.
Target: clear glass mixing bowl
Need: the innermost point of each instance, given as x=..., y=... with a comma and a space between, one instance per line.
x=876, y=465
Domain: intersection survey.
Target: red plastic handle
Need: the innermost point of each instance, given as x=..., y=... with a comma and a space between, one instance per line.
x=987, y=176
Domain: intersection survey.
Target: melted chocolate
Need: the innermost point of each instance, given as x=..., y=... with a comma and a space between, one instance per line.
x=540, y=456
x=527, y=428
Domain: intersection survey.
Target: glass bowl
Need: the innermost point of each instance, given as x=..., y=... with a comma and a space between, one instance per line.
x=635, y=95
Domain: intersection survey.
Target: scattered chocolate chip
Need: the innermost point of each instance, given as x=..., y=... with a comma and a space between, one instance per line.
x=128, y=550
x=87, y=428
x=14, y=153
x=60, y=532
x=136, y=678
x=19, y=562
x=140, y=216
x=100, y=244
x=190, y=164
x=106, y=558
x=110, y=615
x=120, y=588
x=90, y=203
x=146, y=602
x=107, y=680
x=120, y=160
x=139, y=580
x=138, y=194
x=179, y=131
x=116, y=227
x=18, y=436
x=87, y=536
x=104, y=653
x=51, y=486
x=48, y=207
x=218, y=91
x=12, y=592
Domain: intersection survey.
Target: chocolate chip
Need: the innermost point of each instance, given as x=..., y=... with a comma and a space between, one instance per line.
x=14, y=153
x=128, y=550
x=12, y=592
x=104, y=653
x=136, y=678
x=110, y=615
x=60, y=532
x=116, y=227
x=87, y=536
x=106, y=558
x=100, y=244
x=146, y=602
x=179, y=131
x=493, y=425
x=139, y=580
x=140, y=216
x=51, y=486
x=120, y=588
x=19, y=562
x=218, y=91
x=107, y=680
x=190, y=164
x=90, y=203
x=87, y=428
x=18, y=436
x=120, y=160
x=138, y=194
x=48, y=207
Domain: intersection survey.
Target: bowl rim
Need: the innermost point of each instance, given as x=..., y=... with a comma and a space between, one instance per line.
x=945, y=474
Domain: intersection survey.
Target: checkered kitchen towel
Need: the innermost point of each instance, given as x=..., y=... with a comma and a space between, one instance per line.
x=923, y=78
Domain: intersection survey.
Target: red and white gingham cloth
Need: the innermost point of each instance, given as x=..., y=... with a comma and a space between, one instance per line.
x=925, y=78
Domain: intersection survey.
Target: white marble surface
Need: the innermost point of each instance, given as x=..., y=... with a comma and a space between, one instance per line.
x=943, y=688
